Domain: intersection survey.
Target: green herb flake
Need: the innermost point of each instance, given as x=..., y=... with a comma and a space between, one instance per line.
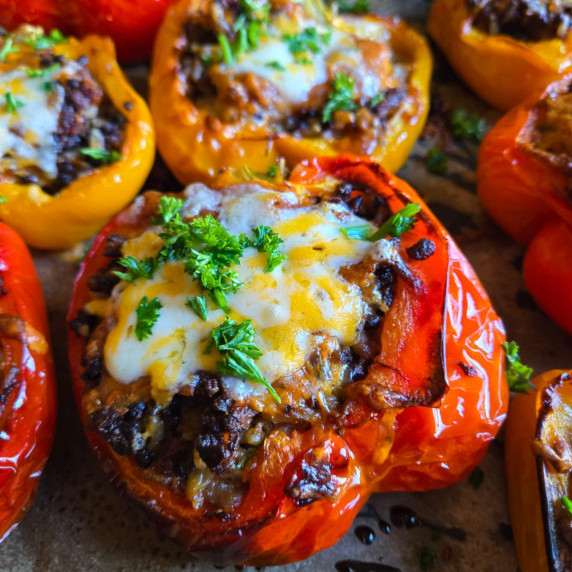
x=102, y=155
x=147, y=316
x=436, y=161
x=43, y=72
x=309, y=40
x=3, y=199
x=12, y=104
x=198, y=304
x=234, y=342
x=136, y=268
x=48, y=86
x=227, y=56
x=476, y=478
x=358, y=7
x=467, y=125
x=8, y=48
x=427, y=559
x=44, y=42
x=266, y=240
x=361, y=232
x=397, y=224
x=567, y=504
x=341, y=97
x=275, y=65
x=517, y=374
x=272, y=171
x=376, y=99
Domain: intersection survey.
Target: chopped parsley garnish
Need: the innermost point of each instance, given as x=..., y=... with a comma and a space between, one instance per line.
x=266, y=240
x=376, y=99
x=7, y=48
x=397, y=224
x=147, y=315
x=309, y=40
x=361, y=232
x=48, y=86
x=467, y=125
x=275, y=65
x=12, y=104
x=427, y=559
x=476, y=478
x=168, y=209
x=358, y=7
x=43, y=72
x=234, y=342
x=227, y=56
x=102, y=155
x=567, y=504
x=517, y=374
x=341, y=98
x=198, y=304
x=272, y=171
x=436, y=161
x=136, y=268
x=43, y=41
x=3, y=199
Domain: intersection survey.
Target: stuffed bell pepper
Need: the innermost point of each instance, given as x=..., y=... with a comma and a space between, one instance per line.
x=27, y=386
x=247, y=83
x=76, y=141
x=523, y=177
x=504, y=50
x=252, y=359
x=539, y=473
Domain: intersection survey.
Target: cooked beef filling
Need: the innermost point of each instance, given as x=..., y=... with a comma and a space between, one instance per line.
x=529, y=20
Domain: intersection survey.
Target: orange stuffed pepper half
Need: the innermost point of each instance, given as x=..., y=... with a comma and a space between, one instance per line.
x=76, y=141
x=504, y=50
x=253, y=359
x=523, y=177
x=246, y=83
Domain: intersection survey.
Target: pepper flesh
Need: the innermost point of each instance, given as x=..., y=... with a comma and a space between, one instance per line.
x=77, y=211
x=28, y=390
x=375, y=452
x=525, y=195
x=514, y=69
x=198, y=146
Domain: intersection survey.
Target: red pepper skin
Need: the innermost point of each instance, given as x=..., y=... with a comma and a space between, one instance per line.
x=27, y=415
x=131, y=24
x=527, y=197
x=426, y=447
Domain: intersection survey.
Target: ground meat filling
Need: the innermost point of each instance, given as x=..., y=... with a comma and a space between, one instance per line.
x=529, y=20
x=203, y=432
x=248, y=98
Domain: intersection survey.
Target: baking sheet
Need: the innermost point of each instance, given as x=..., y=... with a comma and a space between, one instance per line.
x=80, y=522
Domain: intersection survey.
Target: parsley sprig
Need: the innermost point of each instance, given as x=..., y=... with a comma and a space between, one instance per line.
x=102, y=155
x=264, y=239
x=341, y=97
x=309, y=40
x=517, y=374
x=147, y=316
x=12, y=104
x=43, y=72
x=234, y=342
x=8, y=48
x=136, y=268
x=198, y=304
x=46, y=41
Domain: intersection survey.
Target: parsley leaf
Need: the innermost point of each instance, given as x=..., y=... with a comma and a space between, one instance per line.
x=272, y=171
x=376, y=99
x=275, y=65
x=358, y=7
x=147, y=315
x=397, y=224
x=43, y=72
x=198, y=305
x=360, y=232
x=308, y=40
x=3, y=199
x=168, y=208
x=102, y=155
x=48, y=86
x=266, y=240
x=466, y=125
x=12, y=104
x=8, y=48
x=43, y=41
x=234, y=342
x=517, y=374
x=227, y=55
x=341, y=98
x=136, y=268
x=436, y=161
x=567, y=504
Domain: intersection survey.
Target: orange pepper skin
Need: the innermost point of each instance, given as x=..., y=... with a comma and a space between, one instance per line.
x=499, y=69
x=131, y=24
x=197, y=146
x=27, y=411
x=411, y=449
x=85, y=205
x=526, y=197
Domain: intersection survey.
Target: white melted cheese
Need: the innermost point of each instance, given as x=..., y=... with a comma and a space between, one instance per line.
x=297, y=79
x=301, y=297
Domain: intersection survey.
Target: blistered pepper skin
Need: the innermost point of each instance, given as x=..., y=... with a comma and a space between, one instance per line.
x=62, y=220
x=28, y=407
x=499, y=69
x=381, y=450
x=198, y=147
x=131, y=24
x=526, y=196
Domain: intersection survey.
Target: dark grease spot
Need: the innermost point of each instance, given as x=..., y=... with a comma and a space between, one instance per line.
x=359, y=566
x=505, y=531
x=365, y=534
x=402, y=516
x=454, y=220
x=467, y=369
x=384, y=526
x=524, y=300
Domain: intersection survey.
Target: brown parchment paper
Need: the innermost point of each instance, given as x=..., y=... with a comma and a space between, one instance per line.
x=80, y=522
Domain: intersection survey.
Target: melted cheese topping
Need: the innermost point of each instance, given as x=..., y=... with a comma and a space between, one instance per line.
x=301, y=297
x=296, y=79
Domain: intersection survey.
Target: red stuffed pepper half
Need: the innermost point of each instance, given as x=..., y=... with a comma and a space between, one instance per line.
x=253, y=359
x=27, y=384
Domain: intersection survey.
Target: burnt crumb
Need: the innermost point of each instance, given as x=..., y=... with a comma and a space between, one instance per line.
x=48, y=59
x=386, y=282
x=83, y=61
x=92, y=371
x=314, y=482
x=84, y=323
x=103, y=281
x=421, y=250
x=362, y=200
x=113, y=245
x=128, y=106
x=469, y=370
